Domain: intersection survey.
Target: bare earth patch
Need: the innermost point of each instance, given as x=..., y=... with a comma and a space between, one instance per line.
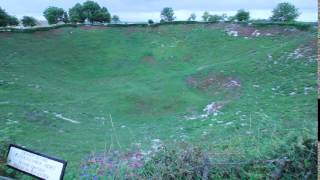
x=131, y=30
x=211, y=109
x=213, y=80
x=307, y=51
x=5, y=34
x=50, y=33
x=87, y=28
x=149, y=60
x=252, y=31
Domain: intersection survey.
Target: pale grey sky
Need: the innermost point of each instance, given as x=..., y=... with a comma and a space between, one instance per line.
x=142, y=10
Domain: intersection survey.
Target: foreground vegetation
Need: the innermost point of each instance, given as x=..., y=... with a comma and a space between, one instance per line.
x=100, y=96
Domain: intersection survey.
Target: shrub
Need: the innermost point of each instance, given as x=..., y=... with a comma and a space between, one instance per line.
x=285, y=12
x=185, y=162
x=296, y=161
x=6, y=135
x=28, y=21
x=242, y=15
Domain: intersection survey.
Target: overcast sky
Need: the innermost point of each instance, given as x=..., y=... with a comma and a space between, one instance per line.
x=142, y=10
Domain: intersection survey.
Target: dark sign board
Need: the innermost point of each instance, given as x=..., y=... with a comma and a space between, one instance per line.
x=35, y=164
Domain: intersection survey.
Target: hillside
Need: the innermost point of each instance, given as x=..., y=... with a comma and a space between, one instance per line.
x=239, y=91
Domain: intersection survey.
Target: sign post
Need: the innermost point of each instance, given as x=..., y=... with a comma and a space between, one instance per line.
x=35, y=164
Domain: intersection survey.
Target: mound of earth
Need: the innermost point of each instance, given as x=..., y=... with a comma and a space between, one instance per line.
x=213, y=80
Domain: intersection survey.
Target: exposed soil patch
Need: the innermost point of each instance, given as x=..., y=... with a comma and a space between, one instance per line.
x=252, y=31
x=212, y=80
x=5, y=34
x=211, y=109
x=93, y=28
x=186, y=58
x=130, y=30
x=216, y=25
x=149, y=60
x=307, y=51
x=311, y=47
x=50, y=33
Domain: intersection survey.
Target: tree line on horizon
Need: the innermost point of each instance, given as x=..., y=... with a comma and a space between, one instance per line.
x=90, y=11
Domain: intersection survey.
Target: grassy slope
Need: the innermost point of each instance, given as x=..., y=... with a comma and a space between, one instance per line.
x=138, y=75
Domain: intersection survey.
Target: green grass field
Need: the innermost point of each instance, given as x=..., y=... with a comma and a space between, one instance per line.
x=59, y=88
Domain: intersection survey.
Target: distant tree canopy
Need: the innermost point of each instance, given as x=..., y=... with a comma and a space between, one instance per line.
x=3, y=17
x=7, y=20
x=167, y=14
x=54, y=15
x=104, y=15
x=13, y=21
x=90, y=11
x=192, y=17
x=150, y=21
x=214, y=18
x=115, y=19
x=28, y=21
x=242, y=15
x=205, y=16
x=285, y=12
x=76, y=14
x=94, y=13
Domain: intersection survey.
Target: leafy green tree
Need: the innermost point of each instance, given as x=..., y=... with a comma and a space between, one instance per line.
x=28, y=21
x=115, y=19
x=7, y=20
x=12, y=21
x=192, y=17
x=103, y=15
x=167, y=14
x=94, y=13
x=214, y=18
x=53, y=14
x=91, y=10
x=76, y=14
x=205, y=16
x=285, y=12
x=3, y=18
x=242, y=15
